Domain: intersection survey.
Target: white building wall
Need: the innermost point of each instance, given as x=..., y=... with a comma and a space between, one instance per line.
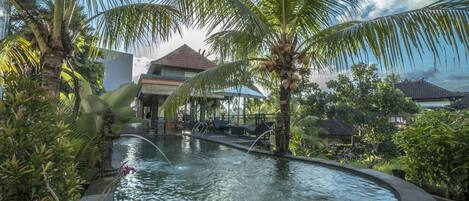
x=4, y=18
x=117, y=69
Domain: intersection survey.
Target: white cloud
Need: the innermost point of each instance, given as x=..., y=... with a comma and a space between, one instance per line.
x=195, y=38
x=376, y=8
x=140, y=65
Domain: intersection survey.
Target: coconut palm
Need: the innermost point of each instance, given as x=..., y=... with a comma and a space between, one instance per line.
x=116, y=23
x=288, y=38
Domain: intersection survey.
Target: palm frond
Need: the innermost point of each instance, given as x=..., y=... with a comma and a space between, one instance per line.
x=236, y=44
x=230, y=15
x=392, y=39
x=16, y=55
x=309, y=17
x=140, y=23
x=222, y=76
x=33, y=18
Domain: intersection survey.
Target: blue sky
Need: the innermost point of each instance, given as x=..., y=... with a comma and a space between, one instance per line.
x=448, y=74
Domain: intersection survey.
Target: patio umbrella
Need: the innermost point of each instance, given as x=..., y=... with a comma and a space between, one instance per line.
x=240, y=91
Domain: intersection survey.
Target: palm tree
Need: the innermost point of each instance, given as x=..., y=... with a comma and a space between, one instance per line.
x=289, y=38
x=116, y=23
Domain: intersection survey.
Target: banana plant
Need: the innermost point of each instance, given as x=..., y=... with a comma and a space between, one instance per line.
x=105, y=115
x=100, y=119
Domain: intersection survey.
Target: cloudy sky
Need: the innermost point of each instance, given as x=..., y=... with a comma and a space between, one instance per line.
x=448, y=74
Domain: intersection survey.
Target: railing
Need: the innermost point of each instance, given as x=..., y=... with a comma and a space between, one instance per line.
x=249, y=119
x=200, y=128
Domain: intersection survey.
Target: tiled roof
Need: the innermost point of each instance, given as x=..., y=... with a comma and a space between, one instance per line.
x=337, y=127
x=183, y=57
x=422, y=90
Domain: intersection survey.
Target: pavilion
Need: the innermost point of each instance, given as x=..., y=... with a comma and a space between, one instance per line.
x=163, y=77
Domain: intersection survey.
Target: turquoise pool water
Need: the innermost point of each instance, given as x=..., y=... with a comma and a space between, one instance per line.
x=208, y=171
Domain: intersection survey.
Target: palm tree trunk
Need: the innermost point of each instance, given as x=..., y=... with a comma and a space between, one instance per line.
x=52, y=65
x=282, y=127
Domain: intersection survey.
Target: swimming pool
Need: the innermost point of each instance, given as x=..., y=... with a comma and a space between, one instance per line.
x=209, y=171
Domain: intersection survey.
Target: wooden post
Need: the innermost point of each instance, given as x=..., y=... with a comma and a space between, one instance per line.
x=229, y=102
x=192, y=108
x=244, y=110
x=202, y=111
x=185, y=112
x=239, y=105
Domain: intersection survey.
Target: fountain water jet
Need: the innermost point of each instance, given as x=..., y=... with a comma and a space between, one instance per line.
x=258, y=138
x=153, y=144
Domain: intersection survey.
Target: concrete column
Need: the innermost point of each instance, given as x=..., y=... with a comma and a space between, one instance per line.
x=154, y=111
x=140, y=108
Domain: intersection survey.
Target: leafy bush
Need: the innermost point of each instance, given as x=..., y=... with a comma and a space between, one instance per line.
x=36, y=158
x=365, y=100
x=436, y=147
x=305, y=137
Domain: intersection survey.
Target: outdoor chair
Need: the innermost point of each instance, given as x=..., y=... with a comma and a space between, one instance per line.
x=220, y=125
x=249, y=129
x=236, y=130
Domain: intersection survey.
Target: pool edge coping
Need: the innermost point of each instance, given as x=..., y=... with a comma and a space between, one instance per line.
x=403, y=190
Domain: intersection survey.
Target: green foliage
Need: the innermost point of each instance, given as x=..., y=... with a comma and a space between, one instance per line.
x=85, y=67
x=305, y=137
x=248, y=29
x=382, y=166
x=36, y=156
x=365, y=100
x=118, y=101
x=17, y=56
x=87, y=126
x=436, y=147
x=85, y=59
x=388, y=166
x=314, y=101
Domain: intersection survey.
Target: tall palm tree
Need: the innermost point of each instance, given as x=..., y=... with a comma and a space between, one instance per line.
x=116, y=23
x=288, y=38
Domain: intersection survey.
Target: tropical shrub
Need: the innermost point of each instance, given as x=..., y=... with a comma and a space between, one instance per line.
x=99, y=120
x=36, y=157
x=436, y=146
x=305, y=137
x=367, y=101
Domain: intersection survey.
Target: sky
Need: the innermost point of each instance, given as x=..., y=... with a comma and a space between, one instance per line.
x=448, y=74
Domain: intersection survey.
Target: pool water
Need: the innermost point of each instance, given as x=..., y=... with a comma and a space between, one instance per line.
x=208, y=171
